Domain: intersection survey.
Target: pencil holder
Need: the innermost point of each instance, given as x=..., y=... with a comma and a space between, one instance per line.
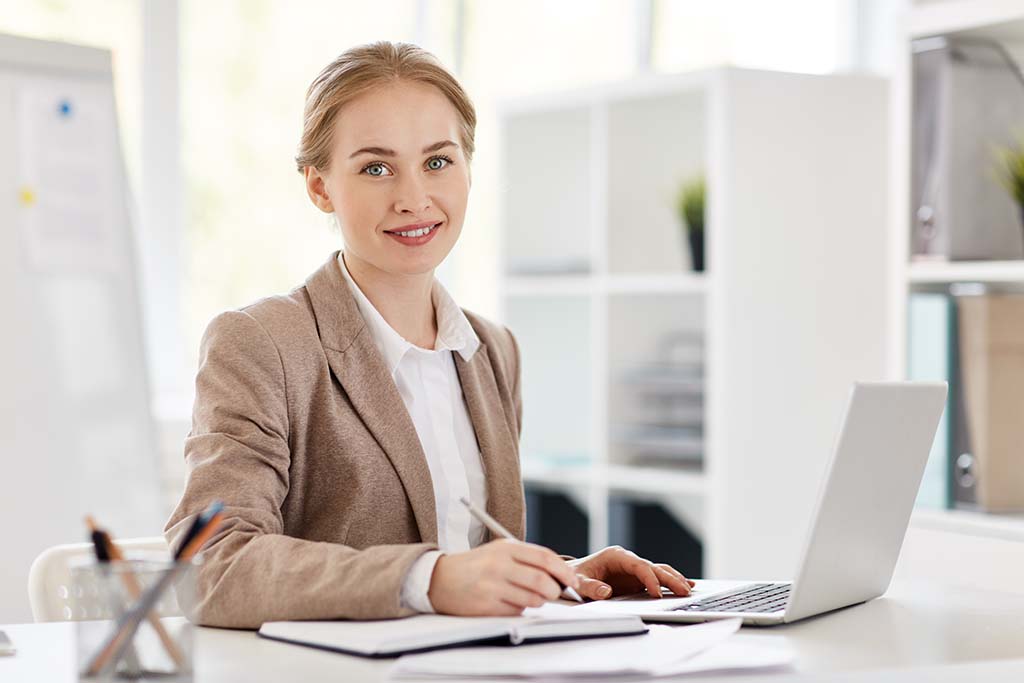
x=128, y=624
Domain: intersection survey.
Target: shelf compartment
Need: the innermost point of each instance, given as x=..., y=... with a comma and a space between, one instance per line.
x=656, y=377
x=546, y=202
x=655, y=143
x=554, y=335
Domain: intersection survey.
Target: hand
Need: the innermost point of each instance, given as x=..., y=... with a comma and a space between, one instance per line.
x=617, y=571
x=499, y=578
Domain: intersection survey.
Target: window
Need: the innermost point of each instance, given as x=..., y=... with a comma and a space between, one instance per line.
x=250, y=229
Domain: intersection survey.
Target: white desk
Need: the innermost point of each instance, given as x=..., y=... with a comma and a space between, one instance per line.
x=936, y=619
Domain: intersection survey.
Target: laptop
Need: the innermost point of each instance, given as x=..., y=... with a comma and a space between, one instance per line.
x=859, y=522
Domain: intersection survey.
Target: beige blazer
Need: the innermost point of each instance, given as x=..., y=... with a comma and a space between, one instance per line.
x=299, y=428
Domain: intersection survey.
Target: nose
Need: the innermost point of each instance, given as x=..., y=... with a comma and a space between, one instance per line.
x=411, y=195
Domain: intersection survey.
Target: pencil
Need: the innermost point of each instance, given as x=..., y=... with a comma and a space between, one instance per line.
x=497, y=529
x=129, y=622
x=135, y=590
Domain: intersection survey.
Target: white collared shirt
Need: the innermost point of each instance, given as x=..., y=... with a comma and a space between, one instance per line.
x=429, y=386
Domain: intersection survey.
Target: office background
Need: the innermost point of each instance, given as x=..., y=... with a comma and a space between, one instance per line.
x=209, y=99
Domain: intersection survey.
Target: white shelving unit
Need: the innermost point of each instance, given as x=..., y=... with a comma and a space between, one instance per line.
x=791, y=310
x=1001, y=20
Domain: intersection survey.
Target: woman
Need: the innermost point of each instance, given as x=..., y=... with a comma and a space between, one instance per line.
x=341, y=423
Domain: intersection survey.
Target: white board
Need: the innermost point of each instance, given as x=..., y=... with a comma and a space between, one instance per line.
x=78, y=436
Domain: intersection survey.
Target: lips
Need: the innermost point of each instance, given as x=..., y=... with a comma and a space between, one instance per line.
x=414, y=226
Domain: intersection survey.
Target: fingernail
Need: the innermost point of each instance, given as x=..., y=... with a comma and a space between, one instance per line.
x=604, y=591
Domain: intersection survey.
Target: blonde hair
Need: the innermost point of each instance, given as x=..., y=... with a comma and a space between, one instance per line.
x=363, y=68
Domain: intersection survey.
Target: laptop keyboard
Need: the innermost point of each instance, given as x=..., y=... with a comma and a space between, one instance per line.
x=757, y=597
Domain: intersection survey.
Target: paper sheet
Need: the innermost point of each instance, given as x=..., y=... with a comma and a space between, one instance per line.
x=664, y=648
x=65, y=174
x=730, y=656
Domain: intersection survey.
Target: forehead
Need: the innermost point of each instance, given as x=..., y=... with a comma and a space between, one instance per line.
x=403, y=116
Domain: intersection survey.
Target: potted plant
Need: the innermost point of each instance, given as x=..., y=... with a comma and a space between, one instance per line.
x=690, y=205
x=1012, y=173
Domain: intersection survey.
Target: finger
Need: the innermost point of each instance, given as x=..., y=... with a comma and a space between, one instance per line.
x=675, y=572
x=534, y=580
x=594, y=589
x=644, y=572
x=675, y=581
x=678, y=573
x=508, y=610
x=520, y=597
x=546, y=560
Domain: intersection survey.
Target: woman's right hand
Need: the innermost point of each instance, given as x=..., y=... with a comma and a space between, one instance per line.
x=499, y=578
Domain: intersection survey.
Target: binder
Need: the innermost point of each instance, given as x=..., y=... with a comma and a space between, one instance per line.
x=992, y=369
x=968, y=97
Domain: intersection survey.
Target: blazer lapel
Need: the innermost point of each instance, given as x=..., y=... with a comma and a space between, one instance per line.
x=498, y=451
x=364, y=378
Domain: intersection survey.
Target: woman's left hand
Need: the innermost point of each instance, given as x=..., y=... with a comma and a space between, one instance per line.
x=617, y=571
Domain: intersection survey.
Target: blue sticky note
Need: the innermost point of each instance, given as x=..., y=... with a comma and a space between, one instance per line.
x=64, y=108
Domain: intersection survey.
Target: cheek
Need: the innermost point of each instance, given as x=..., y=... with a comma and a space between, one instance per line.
x=456, y=194
x=359, y=202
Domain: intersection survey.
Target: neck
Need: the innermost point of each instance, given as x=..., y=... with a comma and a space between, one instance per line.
x=404, y=301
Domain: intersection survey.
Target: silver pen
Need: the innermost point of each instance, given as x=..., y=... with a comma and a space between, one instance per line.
x=499, y=530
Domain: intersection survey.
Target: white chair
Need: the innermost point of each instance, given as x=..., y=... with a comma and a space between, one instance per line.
x=50, y=589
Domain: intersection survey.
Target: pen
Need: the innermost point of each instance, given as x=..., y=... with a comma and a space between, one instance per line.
x=208, y=522
x=499, y=530
x=106, y=551
x=103, y=558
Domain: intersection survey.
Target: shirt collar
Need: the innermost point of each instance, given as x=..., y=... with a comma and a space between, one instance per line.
x=454, y=331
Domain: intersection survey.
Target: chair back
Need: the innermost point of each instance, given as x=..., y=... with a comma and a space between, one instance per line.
x=54, y=598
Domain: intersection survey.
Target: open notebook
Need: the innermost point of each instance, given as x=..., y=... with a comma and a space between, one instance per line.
x=393, y=637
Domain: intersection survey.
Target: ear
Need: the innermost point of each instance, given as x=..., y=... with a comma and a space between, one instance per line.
x=316, y=188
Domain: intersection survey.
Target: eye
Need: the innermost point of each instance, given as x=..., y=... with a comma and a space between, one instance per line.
x=436, y=163
x=374, y=165
x=440, y=157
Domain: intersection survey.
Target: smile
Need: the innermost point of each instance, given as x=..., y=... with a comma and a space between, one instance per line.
x=415, y=238
x=417, y=233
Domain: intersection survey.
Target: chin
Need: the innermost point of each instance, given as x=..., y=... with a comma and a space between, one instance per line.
x=418, y=263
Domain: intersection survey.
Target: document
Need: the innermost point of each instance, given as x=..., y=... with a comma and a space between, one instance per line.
x=66, y=180
x=663, y=651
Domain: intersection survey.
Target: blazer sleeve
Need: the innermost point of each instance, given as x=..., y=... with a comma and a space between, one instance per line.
x=238, y=452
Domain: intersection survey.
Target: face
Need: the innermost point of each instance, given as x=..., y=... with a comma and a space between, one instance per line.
x=396, y=165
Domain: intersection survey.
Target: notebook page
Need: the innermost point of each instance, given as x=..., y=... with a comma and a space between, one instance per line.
x=661, y=648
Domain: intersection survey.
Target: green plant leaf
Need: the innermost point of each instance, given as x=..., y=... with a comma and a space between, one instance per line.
x=690, y=203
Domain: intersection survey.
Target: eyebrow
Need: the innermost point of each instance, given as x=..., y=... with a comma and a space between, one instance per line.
x=383, y=151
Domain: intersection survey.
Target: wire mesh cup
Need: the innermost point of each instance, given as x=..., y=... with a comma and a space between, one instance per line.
x=123, y=630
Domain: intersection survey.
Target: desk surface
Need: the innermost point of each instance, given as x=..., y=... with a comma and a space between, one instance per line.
x=944, y=623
